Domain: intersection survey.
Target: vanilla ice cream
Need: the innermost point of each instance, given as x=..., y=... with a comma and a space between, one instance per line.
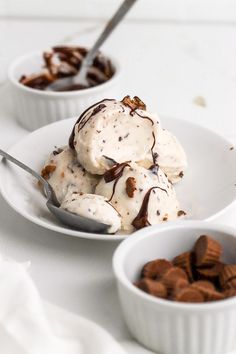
x=119, y=168
x=112, y=131
x=63, y=171
x=142, y=197
x=93, y=206
x=171, y=156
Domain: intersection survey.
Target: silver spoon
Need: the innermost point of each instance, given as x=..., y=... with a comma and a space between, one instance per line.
x=74, y=221
x=81, y=77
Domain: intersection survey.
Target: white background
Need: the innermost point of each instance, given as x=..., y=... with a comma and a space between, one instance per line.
x=213, y=10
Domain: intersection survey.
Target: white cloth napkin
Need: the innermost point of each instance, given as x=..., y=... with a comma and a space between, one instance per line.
x=30, y=326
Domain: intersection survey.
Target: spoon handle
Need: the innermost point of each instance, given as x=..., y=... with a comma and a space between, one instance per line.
x=22, y=165
x=47, y=187
x=114, y=21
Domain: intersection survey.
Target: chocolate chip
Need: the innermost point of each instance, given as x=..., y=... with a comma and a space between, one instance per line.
x=181, y=213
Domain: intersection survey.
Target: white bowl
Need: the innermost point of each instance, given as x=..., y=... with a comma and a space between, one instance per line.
x=202, y=198
x=166, y=326
x=35, y=108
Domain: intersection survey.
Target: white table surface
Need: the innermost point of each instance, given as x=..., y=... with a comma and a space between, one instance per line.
x=168, y=65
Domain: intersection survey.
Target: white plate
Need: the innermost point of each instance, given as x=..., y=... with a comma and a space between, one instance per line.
x=207, y=189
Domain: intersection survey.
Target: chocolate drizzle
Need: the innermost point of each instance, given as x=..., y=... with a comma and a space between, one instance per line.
x=98, y=109
x=141, y=220
x=99, y=104
x=114, y=162
x=140, y=115
x=154, y=154
x=154, y=169
x=114, y=174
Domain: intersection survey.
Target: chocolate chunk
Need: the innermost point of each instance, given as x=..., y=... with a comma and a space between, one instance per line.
x=175, y=277
x=207, y=251
x=208, y=290
x=231, y=284
x=210, y=273
x=229, y=293
x=212, y=295
x=189, y=295
x=181, y=213
x=37, y=81
x=184, y=261
x=228, y=272
x=152, y=287
x=134, y=103
x=203, y=284
x=156, y=269
x=130, y=186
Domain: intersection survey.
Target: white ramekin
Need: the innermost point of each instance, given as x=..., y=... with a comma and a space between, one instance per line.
x=171, y=327
x=35, y=108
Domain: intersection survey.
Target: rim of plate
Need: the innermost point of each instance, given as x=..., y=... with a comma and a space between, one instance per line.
x=86, y=235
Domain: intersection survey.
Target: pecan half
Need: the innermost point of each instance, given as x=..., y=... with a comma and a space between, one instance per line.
x=130, y=186
x=47, y=170
x=134, y=103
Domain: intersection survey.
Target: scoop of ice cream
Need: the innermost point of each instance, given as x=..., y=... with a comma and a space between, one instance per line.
x=171, y=155
x=112, y=131
x=63, y=171
x=142, y=197
x=93, y=206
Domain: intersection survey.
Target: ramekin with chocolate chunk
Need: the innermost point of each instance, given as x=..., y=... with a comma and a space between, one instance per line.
x=197, y=275
x=177, y=290
x=30, y=75
x=64, y=61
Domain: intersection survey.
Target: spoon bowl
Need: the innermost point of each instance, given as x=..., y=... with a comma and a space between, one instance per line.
x=74, y=221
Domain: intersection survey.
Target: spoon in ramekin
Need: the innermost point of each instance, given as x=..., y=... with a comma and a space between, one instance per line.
x=80, y=79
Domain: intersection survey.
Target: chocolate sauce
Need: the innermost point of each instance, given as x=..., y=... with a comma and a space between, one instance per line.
x=98, y=109
x=154, y=154
x=114, y=162
x=115, y=173
x=141, y=220
x=72, y=136
x=61, y=62
x=154, y=169
x=144, y=117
